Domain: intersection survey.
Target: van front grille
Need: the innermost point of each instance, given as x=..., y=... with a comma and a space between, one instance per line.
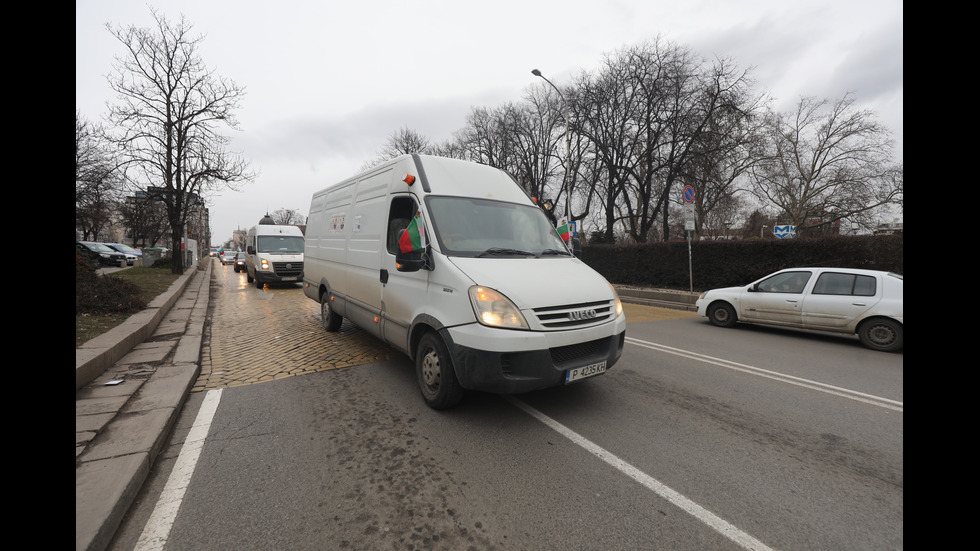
x=288, y=268
x=583, y=314
x=579, y=354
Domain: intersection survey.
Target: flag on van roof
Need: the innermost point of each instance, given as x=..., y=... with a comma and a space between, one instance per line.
x=413, y=238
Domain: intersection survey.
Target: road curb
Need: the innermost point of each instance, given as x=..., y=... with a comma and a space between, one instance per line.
x=98, y=354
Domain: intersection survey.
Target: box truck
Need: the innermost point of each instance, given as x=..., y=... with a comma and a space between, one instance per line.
x=453, y=263
x=273, y=253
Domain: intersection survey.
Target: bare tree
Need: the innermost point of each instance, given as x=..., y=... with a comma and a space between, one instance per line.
x=146, y=219
x=288, y=217
x=97, y=179
x=728, y=147
x=169, y=111
x=827, y=161
x=400, y=142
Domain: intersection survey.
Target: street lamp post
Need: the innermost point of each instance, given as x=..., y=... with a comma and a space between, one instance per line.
x=568, y=143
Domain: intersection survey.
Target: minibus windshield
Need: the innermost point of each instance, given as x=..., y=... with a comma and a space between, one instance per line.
x=466, y=226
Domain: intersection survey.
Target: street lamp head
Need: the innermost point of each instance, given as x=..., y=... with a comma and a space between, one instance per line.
x=535, y=72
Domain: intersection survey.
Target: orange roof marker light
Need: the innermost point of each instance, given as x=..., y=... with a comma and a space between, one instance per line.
x=409, y=179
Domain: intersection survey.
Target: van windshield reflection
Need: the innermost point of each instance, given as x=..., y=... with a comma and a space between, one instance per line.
x=465, y=226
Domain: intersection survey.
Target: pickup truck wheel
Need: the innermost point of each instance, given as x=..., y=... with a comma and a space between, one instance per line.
x=331, y=320
x=436, y=375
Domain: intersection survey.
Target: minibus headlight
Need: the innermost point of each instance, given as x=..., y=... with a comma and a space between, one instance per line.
x=495, y=310
x=265, y=264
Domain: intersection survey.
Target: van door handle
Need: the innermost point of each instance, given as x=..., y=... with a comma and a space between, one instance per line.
x=384, y=276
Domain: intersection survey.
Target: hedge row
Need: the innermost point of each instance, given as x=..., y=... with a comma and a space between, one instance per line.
x=728, y=263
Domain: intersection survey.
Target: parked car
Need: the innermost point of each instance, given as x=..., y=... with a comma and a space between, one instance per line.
x=867, y=303
x=106, y=256
x=125, y=249
x=131, y=253
x=240, y=262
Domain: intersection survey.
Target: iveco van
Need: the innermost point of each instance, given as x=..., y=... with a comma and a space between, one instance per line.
x=273, y=253
x=452, y=263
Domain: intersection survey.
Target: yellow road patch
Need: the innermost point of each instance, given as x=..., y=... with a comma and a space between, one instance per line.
x=640, y=312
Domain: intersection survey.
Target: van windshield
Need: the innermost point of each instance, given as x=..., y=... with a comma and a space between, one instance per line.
x=466, y=226
x=281, y=244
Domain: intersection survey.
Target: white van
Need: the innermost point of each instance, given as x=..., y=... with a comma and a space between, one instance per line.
x=273, y=253
x=488, y=297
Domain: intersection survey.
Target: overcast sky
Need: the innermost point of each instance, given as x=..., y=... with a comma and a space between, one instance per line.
x=327, y=82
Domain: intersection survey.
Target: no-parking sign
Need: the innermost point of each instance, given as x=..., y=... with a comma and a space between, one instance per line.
x=688, y=194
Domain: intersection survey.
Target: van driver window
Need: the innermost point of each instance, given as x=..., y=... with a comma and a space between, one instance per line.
x=399, y=215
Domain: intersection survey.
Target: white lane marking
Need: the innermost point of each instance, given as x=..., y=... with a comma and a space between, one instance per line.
x=717, y=523
x=814, y=385
x=157, y=529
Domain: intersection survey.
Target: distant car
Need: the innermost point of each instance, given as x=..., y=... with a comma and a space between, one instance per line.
x=227, y=257
x=106, y=256
x=867, y=303
x=240, y=262
x=214, y=251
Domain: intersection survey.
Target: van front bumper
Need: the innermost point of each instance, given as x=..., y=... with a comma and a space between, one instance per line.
x=515, y=371
x=264, y=276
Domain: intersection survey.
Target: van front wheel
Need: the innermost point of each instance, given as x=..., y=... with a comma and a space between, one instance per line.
x=436, y=375
x=331, y=320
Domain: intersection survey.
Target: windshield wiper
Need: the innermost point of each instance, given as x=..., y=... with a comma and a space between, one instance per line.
x=556, y=252
x=499, y=251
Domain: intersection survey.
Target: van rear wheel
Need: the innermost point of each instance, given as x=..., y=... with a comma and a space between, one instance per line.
x=435, y=373
x=331, y=320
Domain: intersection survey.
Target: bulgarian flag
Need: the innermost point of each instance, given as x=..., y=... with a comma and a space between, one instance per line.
x=413, y=238
x=563, y=229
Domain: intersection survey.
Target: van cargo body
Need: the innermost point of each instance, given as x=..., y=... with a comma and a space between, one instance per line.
x=274, y=254
x=452, y=263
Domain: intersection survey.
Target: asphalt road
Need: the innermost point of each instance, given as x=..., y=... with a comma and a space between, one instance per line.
x=700, y=438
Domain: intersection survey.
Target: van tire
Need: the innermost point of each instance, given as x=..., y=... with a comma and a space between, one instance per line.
x=248, y=276
x=258, y=284
x=436, y=374
x=331, y=320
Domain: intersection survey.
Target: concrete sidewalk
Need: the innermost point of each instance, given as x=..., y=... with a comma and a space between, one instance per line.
x=130, y=385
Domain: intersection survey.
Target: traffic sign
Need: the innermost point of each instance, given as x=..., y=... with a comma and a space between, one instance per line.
x=688, y=194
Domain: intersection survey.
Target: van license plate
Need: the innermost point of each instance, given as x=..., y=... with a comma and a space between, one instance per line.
x=289, y=278
x=584, y=371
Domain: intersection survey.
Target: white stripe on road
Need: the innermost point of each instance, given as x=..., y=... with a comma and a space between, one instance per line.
x=157, y=529
x=720, y=525
x=806, y=383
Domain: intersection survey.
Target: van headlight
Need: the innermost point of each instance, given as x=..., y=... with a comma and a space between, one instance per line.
x=619, y=304
x=495, y=310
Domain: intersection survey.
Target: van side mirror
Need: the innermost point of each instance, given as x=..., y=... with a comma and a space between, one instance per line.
x=413, y=261
x=250, y=250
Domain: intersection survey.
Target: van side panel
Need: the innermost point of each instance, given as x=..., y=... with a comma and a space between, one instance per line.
x=326, y=240
x=365, y=231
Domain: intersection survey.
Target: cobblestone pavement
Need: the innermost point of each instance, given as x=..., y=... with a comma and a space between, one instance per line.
x=258, y=335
